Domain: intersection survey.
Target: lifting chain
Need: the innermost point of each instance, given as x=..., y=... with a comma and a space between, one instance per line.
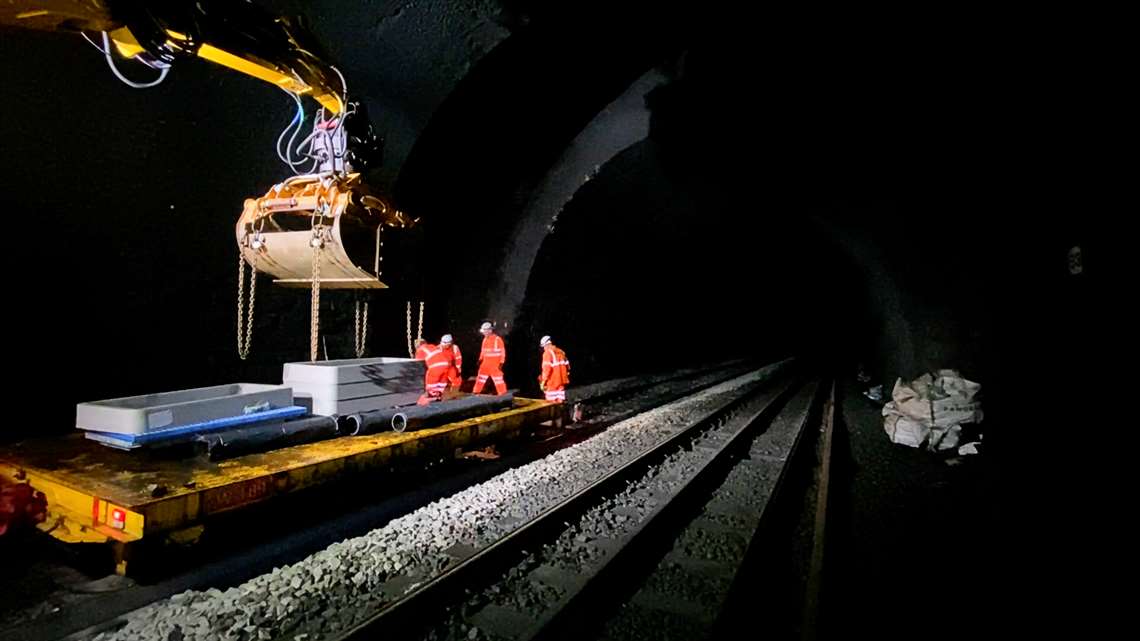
x=315, y=308
x=244, y=337
x=360, y=336
x=317, y=243
x=419, y=329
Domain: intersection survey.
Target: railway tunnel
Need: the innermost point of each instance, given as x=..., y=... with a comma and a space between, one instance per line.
x=656, y=187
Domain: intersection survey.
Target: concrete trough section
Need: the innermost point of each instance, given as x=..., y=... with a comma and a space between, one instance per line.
x=99, y=494
x=349, y=386
x=168, y=410
x=175, y=436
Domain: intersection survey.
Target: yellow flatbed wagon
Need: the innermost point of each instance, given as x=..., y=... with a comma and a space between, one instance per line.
x=98, y=494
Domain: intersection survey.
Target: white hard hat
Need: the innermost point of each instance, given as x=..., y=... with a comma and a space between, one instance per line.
x=544, y=341
x=445, y=340
x=485, y=326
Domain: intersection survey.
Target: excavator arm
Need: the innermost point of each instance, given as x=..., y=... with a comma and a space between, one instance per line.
x=238, y=35
x=322, y=226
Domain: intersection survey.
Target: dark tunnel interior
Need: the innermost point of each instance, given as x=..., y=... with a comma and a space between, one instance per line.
x=654, y=186
x=869, y=195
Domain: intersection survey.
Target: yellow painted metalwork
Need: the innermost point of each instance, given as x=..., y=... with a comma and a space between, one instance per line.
x=64, y=522
x=75, y=515
x=95, y=15
x=57, y=15
x=125, y=42
x=269, y=74
x=129, y=47
x=132, y=529
x=84, y=481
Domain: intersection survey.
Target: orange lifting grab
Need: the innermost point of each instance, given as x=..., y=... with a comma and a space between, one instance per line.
x=334, y=217
x=322, y=229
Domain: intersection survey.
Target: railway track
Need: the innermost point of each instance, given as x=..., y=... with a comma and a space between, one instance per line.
x=583, y=550
x=105, y=614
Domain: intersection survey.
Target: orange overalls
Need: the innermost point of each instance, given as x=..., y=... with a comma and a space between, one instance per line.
x=555, y=373
x=439, y=363
x=491, y=359
x=455, y=372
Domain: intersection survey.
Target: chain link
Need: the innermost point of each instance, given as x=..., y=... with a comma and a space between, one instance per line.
x=419, y=329
x=318, y=243
x=360, y=335
x=315, y=309
x=245, y=338
x=411, y=350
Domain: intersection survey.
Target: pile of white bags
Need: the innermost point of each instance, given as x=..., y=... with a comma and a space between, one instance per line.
x=930, y=410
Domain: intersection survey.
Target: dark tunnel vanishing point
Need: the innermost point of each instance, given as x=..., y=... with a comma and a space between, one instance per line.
x=655, y=186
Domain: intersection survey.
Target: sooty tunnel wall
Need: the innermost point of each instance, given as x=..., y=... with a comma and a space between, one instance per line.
x=655, y=186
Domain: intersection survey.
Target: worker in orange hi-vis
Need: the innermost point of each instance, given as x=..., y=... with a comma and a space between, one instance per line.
x=455, y=371
x=422, y=348
x=492, y=357
x=440, y=361
x=555, y=371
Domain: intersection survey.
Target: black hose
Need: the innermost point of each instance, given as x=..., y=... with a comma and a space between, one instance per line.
x=262, y=438
x=447, y=411
x=369, y=422
x=416, y=416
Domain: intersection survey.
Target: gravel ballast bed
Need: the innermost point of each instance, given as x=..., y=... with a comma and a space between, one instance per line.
x=546, y=577
x=349, y=580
